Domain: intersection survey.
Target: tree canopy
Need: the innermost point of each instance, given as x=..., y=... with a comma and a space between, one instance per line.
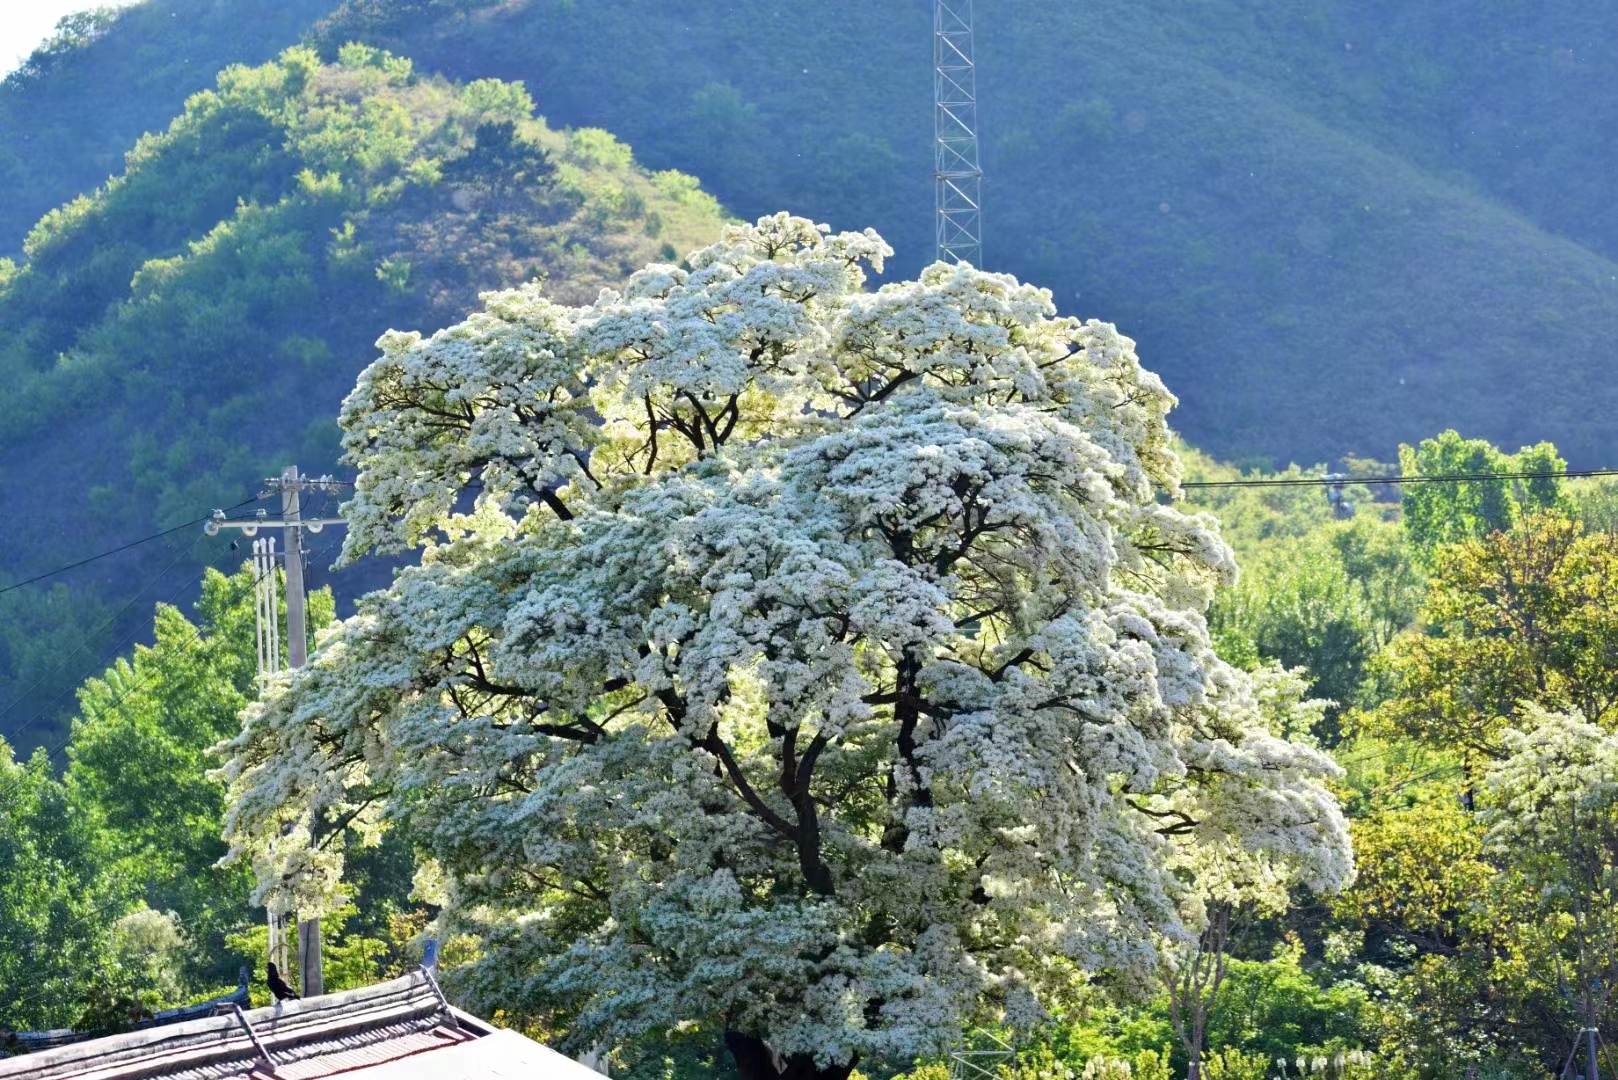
x=815, y=665
x=1521, y=618
x=1445, y=513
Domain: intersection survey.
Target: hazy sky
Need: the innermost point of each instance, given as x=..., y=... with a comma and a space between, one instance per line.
x=26, y=23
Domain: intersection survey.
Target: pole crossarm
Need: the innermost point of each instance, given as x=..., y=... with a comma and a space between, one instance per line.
x=288, y=483
x=252, y=526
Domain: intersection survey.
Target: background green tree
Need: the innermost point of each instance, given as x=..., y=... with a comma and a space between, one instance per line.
x=1528, y=615
x=112, y=900
x=1446, y=513
x=139, y=765
x=54, y=899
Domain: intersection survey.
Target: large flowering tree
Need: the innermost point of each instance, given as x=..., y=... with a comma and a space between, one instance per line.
x=814, y=664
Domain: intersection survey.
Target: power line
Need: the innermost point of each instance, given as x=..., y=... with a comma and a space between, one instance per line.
x=117, y=650
x=125, y=547
x=1438, y=478
x=140, y=681
x=61, y=665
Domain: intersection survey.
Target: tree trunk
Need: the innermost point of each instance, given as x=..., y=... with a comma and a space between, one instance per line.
x=756, y=1060
x=1199, y=1038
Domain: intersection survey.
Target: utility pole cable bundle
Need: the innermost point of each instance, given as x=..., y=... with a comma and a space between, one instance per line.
x=267, y=608
x=267, y=620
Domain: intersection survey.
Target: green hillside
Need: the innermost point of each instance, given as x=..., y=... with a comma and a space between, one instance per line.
x=1268, y=197
x=1333, y=227
x=195, y=323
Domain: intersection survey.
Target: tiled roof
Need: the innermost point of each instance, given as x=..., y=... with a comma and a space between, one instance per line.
x=377, y=1027
x=31, y=1041
x=503, y=1055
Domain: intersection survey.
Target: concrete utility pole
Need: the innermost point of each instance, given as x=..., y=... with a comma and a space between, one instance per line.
x=311, y=981
x=310, y=977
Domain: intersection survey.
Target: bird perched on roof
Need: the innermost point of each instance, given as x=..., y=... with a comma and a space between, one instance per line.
x=278, y=985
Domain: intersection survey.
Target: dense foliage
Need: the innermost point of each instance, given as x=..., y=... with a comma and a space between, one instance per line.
x=1477, y=923
x=112, y=899
x=316, y=201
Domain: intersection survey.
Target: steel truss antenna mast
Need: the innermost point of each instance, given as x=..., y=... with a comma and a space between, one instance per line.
x=979, y=1063
x=957, y=178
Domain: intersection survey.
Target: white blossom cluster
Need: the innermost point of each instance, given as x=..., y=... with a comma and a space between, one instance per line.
x=1556, y=794
x=1341, y=1064
x=813, y=662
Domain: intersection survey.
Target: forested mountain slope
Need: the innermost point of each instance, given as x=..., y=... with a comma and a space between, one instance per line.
x=1332, y=227
x=194, y=324
x=1270, y=199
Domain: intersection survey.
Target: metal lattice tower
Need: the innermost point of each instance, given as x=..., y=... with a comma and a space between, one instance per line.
x=956, y=176
x=986, y=1057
